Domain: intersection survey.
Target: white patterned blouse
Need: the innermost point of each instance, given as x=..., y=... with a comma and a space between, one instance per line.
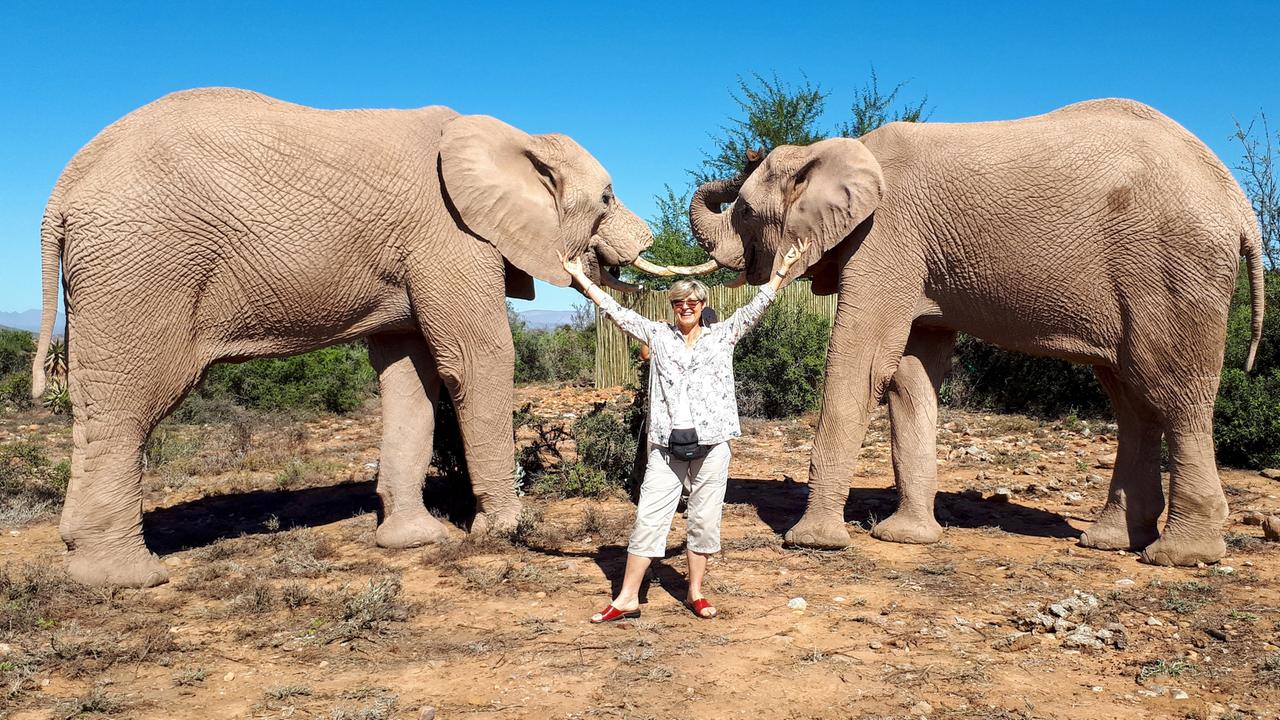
x=704, y=371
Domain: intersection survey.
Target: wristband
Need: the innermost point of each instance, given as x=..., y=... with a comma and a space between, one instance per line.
x=781, y=274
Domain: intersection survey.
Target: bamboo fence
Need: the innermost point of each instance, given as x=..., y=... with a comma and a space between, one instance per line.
x=613, y=356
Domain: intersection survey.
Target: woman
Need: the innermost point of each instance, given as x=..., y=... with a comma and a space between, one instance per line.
x=692, y=415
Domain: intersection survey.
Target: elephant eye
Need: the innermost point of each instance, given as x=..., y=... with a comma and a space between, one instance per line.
x=607, y=197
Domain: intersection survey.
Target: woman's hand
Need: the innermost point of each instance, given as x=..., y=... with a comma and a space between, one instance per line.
x=794, y=254
x=573, y=266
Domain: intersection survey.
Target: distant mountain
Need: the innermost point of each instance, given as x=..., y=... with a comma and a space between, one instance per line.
x=29, y=320
x=546, y=319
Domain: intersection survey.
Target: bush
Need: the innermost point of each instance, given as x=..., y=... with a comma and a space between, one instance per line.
x=335, y=379
x=779, y=365
x=605, y=444
x=30, y=484
x=986, y=377
x=563, y=354
x=16, y=350
x=1246, y=419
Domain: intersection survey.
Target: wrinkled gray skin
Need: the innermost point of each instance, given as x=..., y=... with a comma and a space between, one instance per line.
x=1103, y=233
x=221, y=225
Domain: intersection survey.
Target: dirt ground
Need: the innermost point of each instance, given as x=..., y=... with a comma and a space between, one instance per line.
x=280, y=605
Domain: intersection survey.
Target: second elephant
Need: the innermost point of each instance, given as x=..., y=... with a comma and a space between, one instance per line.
x=1103, y=233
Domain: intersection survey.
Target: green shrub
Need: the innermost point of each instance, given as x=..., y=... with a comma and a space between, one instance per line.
x=16, y=350
x=563, y=354
x=779, y=365
x=1246, y=419
x=574, y=479
x=984, y=376
x=605, y=444
x=335, y=379
x=30, y=484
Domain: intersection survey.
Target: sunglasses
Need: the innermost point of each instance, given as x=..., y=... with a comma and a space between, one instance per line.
x=686, y=303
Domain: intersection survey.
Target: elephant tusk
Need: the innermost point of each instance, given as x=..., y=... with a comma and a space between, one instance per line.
x=616, y=284
x=738, y=281
x=667, y=271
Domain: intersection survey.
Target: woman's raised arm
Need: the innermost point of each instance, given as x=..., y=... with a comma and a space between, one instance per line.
x=629, y=321
x=745, y=317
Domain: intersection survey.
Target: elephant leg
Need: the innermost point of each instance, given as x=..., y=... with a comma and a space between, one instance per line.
x=477, y=366
x=867, y=341
x=1197, y=506
x=409, y=387
x=114, y=409
x=1129, y=519
x=913, y=422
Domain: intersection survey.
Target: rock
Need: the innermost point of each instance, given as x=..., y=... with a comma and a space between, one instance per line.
x=797, y=603
x=1271, y=474
x=229, y=677
x=1253, y=517
x=1125, y=581
x=1016, y=642
x=1082, y=637
x=1074, y=498
x=838, y=599
x=1271, y=528
x=1154, y=621
x=1106, y=462
x=1097, y=688
x=875, y=644
x=1002, y=494
x=921, y=708
x=1180, y=695
x=5, y=648
x=428, y=713
x=1093, y=480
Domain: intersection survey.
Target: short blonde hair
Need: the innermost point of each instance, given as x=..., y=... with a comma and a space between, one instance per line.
x=685, y=289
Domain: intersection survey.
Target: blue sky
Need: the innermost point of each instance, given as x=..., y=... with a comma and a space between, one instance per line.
x=639, y=86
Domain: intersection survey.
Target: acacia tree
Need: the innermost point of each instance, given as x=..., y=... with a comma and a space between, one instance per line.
x=1257, y=168
x=770, y=112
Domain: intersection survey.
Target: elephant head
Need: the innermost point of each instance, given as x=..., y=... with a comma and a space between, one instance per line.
x=820, y=192
x=535, y=197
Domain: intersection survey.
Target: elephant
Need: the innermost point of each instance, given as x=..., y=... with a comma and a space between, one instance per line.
x=219, y=225
x=1102, y=232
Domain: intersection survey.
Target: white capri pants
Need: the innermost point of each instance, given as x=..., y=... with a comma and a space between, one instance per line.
x=664, y=477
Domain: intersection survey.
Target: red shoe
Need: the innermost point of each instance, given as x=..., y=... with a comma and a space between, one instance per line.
x=699, y=606
x=611, y=613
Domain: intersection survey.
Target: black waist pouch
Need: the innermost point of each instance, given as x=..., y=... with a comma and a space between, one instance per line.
x=684, y=445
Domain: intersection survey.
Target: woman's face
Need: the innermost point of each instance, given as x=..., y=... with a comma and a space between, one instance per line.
x=688, y=312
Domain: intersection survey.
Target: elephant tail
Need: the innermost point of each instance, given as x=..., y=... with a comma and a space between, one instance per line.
x=1251, y=248
x=52, y=235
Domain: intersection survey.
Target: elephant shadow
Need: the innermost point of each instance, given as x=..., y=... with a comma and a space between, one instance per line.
x=209, y=519
x=780, y=504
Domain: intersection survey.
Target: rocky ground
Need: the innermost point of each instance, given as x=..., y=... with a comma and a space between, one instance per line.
x=280, y=606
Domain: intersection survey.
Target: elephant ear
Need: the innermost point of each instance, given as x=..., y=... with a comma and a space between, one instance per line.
x=505, y=187
x=837, y=186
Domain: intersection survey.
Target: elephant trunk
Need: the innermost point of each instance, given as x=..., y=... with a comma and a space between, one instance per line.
x=711, y=225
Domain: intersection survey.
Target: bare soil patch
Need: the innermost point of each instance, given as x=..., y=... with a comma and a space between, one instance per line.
x=281, y=606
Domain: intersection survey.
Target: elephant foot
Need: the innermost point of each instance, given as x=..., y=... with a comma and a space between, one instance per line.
x=828, y=534
x=408, y=529
x=1108, y=534
x=902, y=528
x=501, y=521
x=1184, y=550
x=135, y=568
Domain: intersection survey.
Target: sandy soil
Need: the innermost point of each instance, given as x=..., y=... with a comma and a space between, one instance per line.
x=280, y=606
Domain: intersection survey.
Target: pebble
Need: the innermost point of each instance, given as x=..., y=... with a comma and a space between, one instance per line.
x=1180, y=695
x=5, y=648
x=797, y=603
x=1153, y=620
x=838, y=598
x=1097, y=688
x=1107, y=461
x=428, y=713
x=229, y=677
x=921, y=708
x=1271, y=473
x=1002, y=494
x=875, y=644
x=1125, y=581
x=1074, y=498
